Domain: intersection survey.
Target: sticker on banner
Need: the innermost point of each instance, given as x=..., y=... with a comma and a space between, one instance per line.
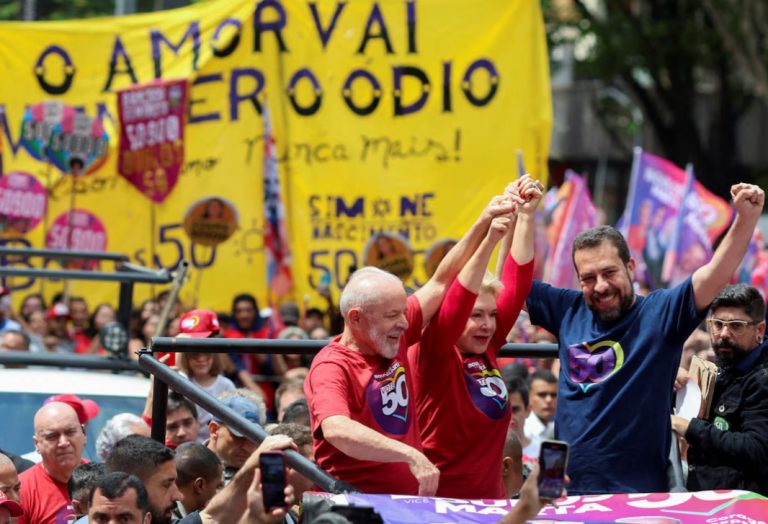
x=151, y=150
x=390, y=252
x=77, y=230
x=435, y=254
x=211, y=221
x=22, y=203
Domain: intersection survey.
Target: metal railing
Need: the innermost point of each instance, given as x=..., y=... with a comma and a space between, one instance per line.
x=62, y=253
x=304, y=347
x=165, y=376
x=67, y=360
x=126, y=274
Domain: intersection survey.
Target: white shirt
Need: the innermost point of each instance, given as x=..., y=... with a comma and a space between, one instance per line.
x=534, y=427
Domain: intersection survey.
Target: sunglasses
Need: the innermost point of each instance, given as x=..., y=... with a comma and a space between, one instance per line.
x=736, y=327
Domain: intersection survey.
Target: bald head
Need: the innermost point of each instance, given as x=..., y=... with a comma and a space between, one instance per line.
x=59, y=438
x=364, y=288
x=9, y=479
x=51, y=411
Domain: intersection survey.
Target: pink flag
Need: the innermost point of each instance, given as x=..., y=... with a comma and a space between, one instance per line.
x=576, y=214
x=701, y=218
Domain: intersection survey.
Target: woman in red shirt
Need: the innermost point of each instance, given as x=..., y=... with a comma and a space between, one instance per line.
x=461, y=398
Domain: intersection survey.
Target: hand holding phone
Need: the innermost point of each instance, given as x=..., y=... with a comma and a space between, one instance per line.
x=272, y=466
x=553, y=461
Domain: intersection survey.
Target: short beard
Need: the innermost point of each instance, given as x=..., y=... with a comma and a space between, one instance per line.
x=383, y=346
x=615, y=314
x=161, y=518
x=727, y=363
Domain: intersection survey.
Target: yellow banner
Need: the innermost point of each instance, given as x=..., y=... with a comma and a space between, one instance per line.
x=398, y=116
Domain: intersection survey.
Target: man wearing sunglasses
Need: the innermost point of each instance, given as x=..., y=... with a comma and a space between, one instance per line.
x=729, y=450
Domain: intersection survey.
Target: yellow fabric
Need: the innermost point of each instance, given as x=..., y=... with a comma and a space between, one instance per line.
x=426, y=174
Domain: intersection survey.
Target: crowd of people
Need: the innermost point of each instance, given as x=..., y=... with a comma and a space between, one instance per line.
x=410, y=395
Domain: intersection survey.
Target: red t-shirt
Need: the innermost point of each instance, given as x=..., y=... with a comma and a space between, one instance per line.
x=461, y=400
x=375, y=392
x=45, y=501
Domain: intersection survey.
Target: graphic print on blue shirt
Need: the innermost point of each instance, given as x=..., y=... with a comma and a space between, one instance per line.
x=591, y=364
x=387, y=395
x=486, y=388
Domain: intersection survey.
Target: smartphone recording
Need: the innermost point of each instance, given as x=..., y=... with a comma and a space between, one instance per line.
x=553, y=460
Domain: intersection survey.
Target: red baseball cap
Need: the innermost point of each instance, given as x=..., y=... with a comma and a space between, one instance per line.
x=59, y=310
x=11, y=505
x=85, y=409
x=199, y=323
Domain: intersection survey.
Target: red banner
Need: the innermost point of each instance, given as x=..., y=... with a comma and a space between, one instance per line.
x=152, y=136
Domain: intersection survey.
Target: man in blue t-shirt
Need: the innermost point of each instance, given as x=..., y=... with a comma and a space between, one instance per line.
x=620, y=353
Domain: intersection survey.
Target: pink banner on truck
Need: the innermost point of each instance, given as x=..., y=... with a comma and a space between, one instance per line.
x=152, y=136
x=703, y=507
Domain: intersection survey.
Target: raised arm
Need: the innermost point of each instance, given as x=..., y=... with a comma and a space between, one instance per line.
x=517, y=273
x=431, y=294
x=748, y=200
x=522, y=243
x=448, y=323
x=471, y=275
x=361, y=442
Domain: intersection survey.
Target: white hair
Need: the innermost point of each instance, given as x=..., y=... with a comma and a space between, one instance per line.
x=252, y=396
x=363, y=288
x=115, y=430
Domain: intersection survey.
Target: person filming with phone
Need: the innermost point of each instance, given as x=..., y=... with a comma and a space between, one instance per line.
x=620, y=352
x=729, y=448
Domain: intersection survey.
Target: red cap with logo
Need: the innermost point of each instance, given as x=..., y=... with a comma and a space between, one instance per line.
x=12, y=506
x=59, y=310
x=199, y=323
x=85, y=409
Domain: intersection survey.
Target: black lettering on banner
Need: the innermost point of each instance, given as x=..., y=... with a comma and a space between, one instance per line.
x=157, y=38
x=493, y=82
x=411, y=24
x=17, y=283
x=234, y=40
x=118, y=51
x=408, y=71
x=375, y=96
x=193, y=118
x=325, y=33
x=69, y=71
x=312, y=108
x=276, y=27
x=375, y=18
x=235, y=97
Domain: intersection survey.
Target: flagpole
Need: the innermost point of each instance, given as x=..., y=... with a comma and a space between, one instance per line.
x=629, y=208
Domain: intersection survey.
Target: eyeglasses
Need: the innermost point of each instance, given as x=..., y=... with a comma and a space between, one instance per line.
x=736, y=327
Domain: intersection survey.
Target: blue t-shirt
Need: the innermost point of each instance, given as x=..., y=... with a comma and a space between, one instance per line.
x=615, y=385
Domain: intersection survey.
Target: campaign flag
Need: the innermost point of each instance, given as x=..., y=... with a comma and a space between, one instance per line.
x=573, y=214
x=702, y=217
x=754, y=268
x=151, y=151
x=656, y=193
x=277, y=249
